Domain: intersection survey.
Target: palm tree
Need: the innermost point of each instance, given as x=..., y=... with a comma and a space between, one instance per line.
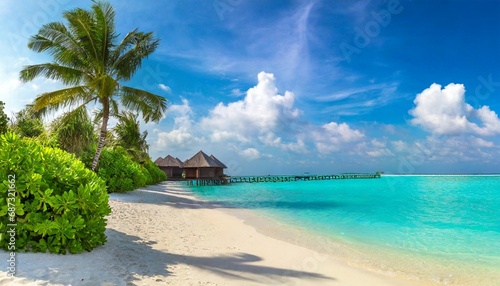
x=89, y=60
x=129, y=136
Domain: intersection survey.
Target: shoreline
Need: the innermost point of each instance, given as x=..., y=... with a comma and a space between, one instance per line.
x=164, y=234
x=415, y=267
x=423, y=268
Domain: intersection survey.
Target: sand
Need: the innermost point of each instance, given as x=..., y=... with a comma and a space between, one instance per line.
x=163, y=235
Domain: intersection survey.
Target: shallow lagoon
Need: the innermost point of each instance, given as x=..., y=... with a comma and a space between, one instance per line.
x=437, y=228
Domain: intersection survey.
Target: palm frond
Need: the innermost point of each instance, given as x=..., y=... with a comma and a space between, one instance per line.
x=127, y=42
x=81, y=23
x=104, y=26
x=51, y=101
x=104, y=86
x=52, y=37
x=128, y=134
x=113, y=111
x=66, y=75
x=143, y=44
x=151, y=106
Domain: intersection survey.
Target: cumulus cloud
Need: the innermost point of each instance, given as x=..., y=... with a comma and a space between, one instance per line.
x=260, y=120
x=445, y=112
x=250, y=153
x=181, y=134
x=165, y=88
x=332, y=136
x=272, y=140
x=400, y=146
x=261, y=112
x=378, y=148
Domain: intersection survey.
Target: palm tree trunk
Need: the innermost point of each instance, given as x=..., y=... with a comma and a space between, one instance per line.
x=102, y=136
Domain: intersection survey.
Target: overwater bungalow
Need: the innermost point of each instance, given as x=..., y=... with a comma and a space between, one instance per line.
x=171, y=166
x=202, y=166
x=219, y=170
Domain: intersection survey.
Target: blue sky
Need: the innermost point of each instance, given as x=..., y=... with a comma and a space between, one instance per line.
x=287, y=87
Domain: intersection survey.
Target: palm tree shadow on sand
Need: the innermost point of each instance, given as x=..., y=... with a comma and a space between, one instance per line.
x=142, y=259
x=126, y=260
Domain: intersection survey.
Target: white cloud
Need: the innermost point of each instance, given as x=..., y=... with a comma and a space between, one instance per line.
x=482, y=143
x=270, y=139
x=262, y=111
x=10, y=86
x=180, y=136
x=236, y=92
x=378, y=148
x=250, y=153
x=444, y=111
x=165, y=88
x=222, y=136
x=174, y=138
x=360, y=100
x=16, y=94
x=351, y=92
x=332, y=136
x=378, y=143
x=456, y=149
x=399, y=146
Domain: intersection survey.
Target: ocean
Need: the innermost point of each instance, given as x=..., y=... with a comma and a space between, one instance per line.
x=442, y=229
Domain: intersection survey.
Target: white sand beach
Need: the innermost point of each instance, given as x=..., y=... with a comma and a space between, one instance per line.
x=163, y=235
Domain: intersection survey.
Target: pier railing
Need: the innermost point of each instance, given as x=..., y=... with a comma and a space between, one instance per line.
x=277, y=179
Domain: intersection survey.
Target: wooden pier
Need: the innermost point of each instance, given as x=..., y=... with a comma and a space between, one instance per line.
x=277, y=179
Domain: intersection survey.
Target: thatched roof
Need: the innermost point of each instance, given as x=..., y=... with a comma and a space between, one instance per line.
x=218, y=162
x=169, y=161
x=158, y=161
x=202, y=160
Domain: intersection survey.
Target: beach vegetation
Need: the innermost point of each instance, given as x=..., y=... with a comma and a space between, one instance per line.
x=27, y=123
x=4, y=120
x=122, y=173
x=157, y=175
x=57, y=205
x=74, y=132
x=93, y=64
x=128, y=135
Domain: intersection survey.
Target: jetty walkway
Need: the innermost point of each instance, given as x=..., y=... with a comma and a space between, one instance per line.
x=277, y=179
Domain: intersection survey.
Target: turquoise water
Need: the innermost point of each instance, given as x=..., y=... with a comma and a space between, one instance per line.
x=446, y=219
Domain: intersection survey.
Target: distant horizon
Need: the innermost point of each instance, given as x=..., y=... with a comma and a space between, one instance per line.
x=382, y=174
x=286, y=86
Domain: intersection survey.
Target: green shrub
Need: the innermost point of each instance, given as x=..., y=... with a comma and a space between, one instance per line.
x=4, y=120
x=120, y=173
x=59, y=204
x=147, y=175
x=156, y=173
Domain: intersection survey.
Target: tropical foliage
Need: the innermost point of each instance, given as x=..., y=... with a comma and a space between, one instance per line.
x=4, y=120
x=128, y=135
x=58, y=204
x=74, y=132
x=89, y=59
x=123, y=174
x=27, y=123
x=157, y=175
